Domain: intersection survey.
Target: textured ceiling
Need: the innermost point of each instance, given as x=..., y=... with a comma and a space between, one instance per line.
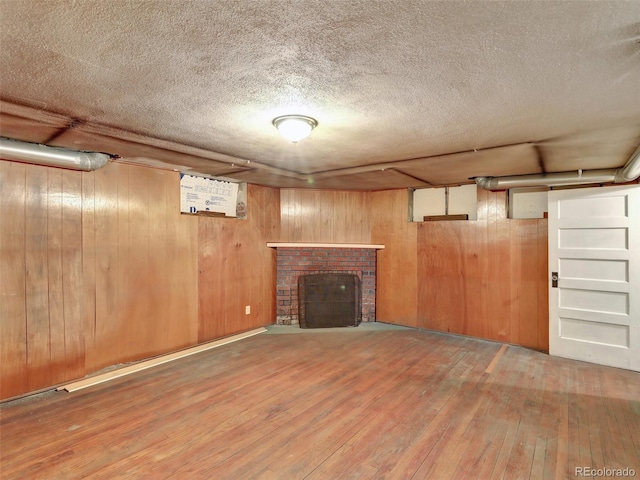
x=406, y=93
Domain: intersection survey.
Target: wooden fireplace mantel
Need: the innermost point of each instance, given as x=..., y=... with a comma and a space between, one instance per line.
x=324, y=245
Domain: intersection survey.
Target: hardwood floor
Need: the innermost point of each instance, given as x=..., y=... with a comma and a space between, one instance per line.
x=354, y=404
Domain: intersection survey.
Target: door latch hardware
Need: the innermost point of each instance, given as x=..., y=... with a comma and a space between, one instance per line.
x=554, y=279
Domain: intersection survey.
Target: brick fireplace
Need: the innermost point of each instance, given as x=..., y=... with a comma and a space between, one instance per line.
x=295, y=259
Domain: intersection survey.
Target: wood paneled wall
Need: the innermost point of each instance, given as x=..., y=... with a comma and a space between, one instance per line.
x=236, y=269
x=485, y=278
x=141, y=262
x=396, y=295
x=325, y=216
x=99, y=268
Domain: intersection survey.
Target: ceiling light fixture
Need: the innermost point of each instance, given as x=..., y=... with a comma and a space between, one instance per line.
x=295, y=127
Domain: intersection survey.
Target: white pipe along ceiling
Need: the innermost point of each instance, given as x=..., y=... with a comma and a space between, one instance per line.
x=51, y=156
x=628, y=173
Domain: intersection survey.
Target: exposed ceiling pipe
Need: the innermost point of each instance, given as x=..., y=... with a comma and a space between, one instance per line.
x=631, y=170
x=547, y=179
x=51, y=156
x=628, y=173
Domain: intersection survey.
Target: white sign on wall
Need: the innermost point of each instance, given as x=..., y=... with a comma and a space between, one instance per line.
x=200, y=194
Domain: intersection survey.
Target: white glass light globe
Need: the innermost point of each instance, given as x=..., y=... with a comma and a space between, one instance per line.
x=294, y=127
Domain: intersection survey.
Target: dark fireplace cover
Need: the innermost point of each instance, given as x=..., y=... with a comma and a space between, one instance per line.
x=329, y=300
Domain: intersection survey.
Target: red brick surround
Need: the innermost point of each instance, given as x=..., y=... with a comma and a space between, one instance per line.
x=295, y=261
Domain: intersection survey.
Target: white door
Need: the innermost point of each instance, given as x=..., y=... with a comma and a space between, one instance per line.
x=594, y=247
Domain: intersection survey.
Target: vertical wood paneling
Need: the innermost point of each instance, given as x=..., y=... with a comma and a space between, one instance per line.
x=88, y=265
x=141, y=281
x=125, y=319
x=365, y=220
x=74, y=346
x=112, y=270
x=13, y=325
x=266, y=228
x=396, y=289
x=485, y=278
x=480, y=281
x=341, y=228
x=325, y=216
x=243, y=239
x=286, y=212
x=516, y=286
x=116, y=274
x=235, y=274
x=303, y=209
x=543, y=285
x=442, y=254
x=237, y=269
x=37, y=279
x=474, y=264
x=498, y=284
x=324, y=227
x=55, y=270
x=210, y=282
x=158, y=289
x=106, y=343
x=182, y=270
x=528, y=295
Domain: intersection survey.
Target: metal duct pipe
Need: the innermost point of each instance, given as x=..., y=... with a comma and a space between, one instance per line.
x=628, y=173
x=51, y=156
x=547, y=179
x=631, y=170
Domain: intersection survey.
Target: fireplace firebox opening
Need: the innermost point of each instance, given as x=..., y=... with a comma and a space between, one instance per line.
x=329, y=300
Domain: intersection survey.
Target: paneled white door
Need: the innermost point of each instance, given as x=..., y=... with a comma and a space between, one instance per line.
x=594, y=275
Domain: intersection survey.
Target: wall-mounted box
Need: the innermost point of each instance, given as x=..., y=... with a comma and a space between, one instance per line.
x=528, y=202
x=440, y=201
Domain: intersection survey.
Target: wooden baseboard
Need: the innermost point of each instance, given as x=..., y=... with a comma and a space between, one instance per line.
x=121, y=372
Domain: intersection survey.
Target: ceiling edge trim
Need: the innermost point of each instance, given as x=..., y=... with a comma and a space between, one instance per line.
x=407, y=161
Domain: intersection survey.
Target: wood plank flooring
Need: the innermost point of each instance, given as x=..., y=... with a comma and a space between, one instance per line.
x=396, y=404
